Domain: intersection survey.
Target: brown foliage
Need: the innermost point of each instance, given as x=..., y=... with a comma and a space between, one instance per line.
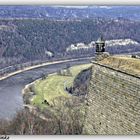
x=63, y=118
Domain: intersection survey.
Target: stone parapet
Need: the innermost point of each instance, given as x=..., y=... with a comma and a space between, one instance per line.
x=113, y=102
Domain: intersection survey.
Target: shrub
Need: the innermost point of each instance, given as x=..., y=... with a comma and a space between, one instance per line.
x=63, y=118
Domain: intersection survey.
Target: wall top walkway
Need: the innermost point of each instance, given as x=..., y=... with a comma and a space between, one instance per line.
x=114, y=69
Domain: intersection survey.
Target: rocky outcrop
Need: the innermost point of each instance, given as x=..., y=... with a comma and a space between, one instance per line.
x=109, y=43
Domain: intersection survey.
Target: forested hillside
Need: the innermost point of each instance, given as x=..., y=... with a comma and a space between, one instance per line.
x=23, y=40
x=69, y=12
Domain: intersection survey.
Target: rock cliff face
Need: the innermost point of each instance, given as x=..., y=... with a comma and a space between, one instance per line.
x=113, y=102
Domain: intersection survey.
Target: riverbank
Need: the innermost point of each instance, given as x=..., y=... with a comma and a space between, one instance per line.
x=43, y=91
x=49, y=95
x=68, y=112
x=11, y=87
x=40, y=65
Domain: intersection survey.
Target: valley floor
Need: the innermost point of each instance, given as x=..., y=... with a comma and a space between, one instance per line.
x=54, y=86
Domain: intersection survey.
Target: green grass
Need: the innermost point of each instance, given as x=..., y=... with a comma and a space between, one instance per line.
x=53, y=86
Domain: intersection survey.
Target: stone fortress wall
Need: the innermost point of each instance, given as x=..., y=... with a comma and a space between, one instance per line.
x=113, y=102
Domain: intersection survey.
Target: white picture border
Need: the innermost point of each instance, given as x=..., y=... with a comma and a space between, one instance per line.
x=71, y=3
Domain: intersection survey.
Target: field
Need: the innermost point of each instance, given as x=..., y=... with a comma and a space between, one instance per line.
x=54, y=86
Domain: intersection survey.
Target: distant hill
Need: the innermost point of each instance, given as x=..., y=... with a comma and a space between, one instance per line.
x=24, y=40
x=70, y=12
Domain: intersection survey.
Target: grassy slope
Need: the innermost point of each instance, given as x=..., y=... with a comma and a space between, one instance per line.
x=53, y=86
x=127, y=64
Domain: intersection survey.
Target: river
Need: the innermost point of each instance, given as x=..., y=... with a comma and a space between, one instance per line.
x=10, y=89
